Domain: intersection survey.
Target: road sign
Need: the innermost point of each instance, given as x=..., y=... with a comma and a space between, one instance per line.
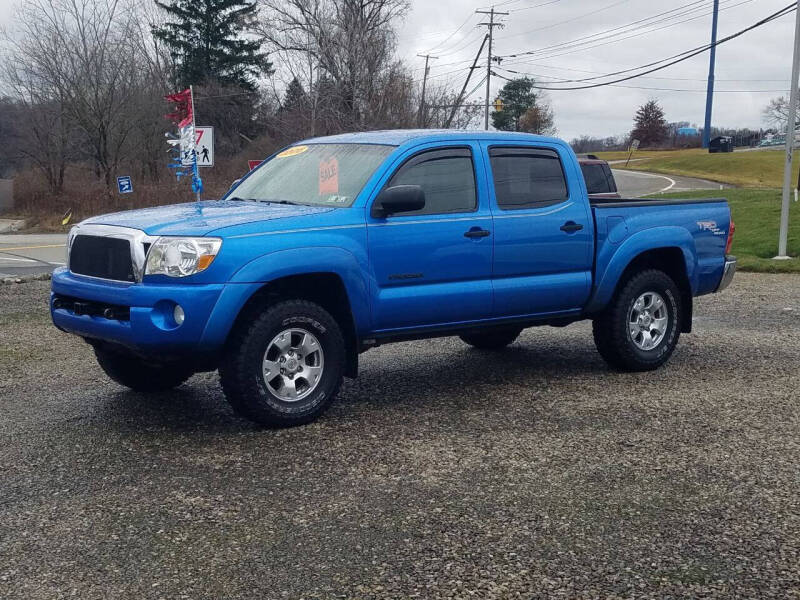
x=124, y=184
x=253, y=163
x=204, y=146
x=635, y=145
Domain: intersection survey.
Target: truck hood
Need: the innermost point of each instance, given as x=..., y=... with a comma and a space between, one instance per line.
x=201, y=218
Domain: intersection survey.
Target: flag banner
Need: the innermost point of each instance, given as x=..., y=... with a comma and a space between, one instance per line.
x=183, y=147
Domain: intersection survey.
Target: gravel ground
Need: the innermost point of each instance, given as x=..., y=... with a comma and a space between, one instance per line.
x=443, y=472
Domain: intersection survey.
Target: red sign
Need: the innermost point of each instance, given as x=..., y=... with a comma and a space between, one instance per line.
x=329, y=177
x=252, y=164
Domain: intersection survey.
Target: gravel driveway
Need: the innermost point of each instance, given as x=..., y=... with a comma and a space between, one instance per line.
x=443, y=472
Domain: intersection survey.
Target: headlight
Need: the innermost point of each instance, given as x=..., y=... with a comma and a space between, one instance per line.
x=180, y=257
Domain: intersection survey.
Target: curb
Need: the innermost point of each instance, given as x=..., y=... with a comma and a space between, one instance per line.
x=25, y=278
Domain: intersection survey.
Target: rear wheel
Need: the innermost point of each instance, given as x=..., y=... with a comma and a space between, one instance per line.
x=285, y=367
x=491, y=340
x=138, y=374
x=640, y=328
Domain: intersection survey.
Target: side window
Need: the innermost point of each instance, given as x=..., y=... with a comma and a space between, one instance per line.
x=446, y=176
x=595, y=177
x=527, y=177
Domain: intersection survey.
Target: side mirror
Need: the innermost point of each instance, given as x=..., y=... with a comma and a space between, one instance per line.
x=398, y=199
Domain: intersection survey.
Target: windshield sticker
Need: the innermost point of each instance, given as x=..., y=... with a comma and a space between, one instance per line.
x=329, y=177
x=293, y=151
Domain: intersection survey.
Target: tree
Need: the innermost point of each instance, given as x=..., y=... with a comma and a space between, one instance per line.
x=206, y=41
x=519, y=97
x=650, y=125
x=776, y=113
x=349, y=43
x=538, y=119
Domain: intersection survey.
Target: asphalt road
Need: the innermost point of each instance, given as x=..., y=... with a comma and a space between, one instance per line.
x=442, y=472
x=29, y=254
x=634, y=184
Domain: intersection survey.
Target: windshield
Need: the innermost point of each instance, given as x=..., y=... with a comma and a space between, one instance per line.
x=316, y=174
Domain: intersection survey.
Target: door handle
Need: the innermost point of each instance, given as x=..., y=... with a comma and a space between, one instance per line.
x=571, y=227
x=477, y=232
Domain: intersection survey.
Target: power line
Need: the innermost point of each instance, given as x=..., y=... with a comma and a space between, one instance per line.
x=684, y=55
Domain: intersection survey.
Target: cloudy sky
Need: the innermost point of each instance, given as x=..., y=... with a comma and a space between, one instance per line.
x=576, y=39
x=614, y=35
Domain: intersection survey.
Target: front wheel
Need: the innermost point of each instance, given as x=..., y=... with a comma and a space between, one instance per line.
x=640, y=328
x=285, y=367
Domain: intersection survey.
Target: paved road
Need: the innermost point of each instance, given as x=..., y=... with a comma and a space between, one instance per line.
x=443, y=472
x=634, y=184
x=27, y=254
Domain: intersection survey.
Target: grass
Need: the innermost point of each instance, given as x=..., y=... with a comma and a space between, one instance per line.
x=757, y=217
x=758, y=169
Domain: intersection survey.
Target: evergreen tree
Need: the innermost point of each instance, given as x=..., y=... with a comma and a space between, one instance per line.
x=650, y=125
x=205, y=41
x=518, y=97
x=295, y=97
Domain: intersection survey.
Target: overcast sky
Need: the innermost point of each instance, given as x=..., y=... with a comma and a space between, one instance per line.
x=759, y=61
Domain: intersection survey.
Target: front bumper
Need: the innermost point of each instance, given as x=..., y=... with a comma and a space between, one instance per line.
x=210, y=310
x=727, y=273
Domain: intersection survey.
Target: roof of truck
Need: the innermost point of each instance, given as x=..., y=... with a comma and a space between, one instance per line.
x=397, y=137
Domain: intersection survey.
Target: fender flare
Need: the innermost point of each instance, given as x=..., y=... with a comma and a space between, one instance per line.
x=655, y=238
x=306, y=261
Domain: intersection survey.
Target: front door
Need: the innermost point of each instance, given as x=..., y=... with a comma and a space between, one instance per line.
x=433, y=266
x=543, y=231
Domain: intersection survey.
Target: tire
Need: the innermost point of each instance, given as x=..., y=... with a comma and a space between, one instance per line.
x=139, y=375
x=494, y=339
x=252, y=371
x=624, y=335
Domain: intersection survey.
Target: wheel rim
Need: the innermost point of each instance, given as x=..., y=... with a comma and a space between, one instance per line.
x=293, y=364
x=648, y=320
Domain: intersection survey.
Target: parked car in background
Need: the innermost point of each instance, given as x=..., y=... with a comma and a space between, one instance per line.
x=598, y=176
x=339, y=244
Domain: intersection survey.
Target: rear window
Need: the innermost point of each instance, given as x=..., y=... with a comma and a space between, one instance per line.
x=595, y=177
x=527, y=177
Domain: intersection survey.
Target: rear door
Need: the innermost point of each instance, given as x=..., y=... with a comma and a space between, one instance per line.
x=433, y=266
x=543, y=230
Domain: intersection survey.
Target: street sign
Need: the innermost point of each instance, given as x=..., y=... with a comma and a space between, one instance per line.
x=124, y=184
x=635, y=145
x=252, y=164
x=204, y=146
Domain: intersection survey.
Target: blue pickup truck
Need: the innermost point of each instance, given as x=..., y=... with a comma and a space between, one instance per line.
x=338, y=244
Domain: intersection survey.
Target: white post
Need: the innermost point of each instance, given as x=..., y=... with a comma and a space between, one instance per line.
x=791, y=122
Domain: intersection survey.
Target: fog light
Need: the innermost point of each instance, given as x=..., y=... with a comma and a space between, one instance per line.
x=178, y=315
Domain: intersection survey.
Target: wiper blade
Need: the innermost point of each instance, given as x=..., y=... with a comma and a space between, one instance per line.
x=238, y=199
x=276, y=201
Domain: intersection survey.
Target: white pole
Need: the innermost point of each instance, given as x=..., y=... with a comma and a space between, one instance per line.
x=787, y=169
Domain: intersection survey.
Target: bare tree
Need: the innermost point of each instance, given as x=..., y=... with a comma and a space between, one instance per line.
x=350, y=42
x=80, y=54
x=776, y=113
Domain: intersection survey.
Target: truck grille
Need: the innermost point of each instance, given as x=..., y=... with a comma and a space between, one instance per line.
x=105, y=257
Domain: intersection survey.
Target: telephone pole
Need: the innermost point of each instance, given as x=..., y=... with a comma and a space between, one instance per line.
x=421, y=112
x=491, y=25
x=712, y=62
x=783, y=235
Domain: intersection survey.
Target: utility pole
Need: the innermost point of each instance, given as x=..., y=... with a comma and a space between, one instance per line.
x=491, y=25
x=460, y=97
x=421, y=112
x=790, y=125
x=712, y=61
